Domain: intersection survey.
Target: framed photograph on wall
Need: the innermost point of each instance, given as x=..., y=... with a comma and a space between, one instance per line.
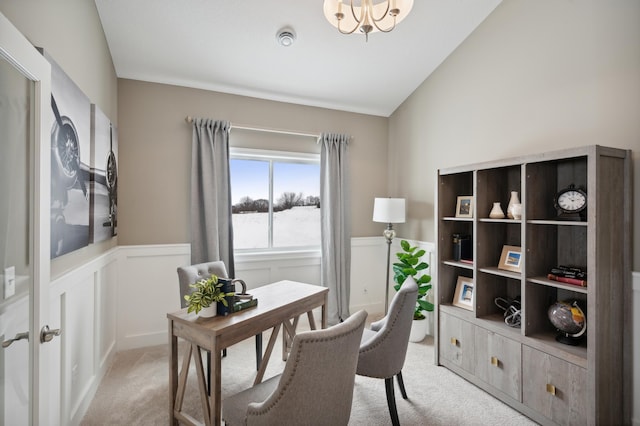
x=511, y=259
x=463, y=296
x=464, y=206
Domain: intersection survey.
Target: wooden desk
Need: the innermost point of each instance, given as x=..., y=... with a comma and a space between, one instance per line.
x=278, y=305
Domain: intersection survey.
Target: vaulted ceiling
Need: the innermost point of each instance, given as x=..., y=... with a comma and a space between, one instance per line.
x=231, y=47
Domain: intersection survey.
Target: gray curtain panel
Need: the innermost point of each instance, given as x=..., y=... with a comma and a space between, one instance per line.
x=211, y=224
x=335, y=218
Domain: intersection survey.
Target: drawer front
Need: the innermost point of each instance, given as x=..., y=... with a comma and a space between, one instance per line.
x=456, y=341
x=498, y=362
x=555, y=388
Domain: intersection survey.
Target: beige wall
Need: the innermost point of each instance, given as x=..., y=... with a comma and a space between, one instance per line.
x=535, y=76
x=155, y=153
x=71, y=32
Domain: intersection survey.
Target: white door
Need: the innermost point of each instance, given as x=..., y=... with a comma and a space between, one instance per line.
x=25, y=92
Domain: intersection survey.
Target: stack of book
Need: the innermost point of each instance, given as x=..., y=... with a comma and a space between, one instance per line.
x=568, y=275
x=243, y=304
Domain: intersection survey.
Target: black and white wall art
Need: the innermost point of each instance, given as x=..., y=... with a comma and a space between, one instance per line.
x=70, y=161
x=112, y=180
x=104, y=178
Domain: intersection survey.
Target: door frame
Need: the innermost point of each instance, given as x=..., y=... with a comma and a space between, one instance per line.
x=16, y=49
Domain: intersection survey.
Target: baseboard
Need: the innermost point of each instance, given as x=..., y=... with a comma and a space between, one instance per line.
x=143, y=340
x=373, y=309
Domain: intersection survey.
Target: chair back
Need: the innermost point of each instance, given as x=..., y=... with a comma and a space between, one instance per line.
x=190, y=274
x=316, y=386
x=382, y=353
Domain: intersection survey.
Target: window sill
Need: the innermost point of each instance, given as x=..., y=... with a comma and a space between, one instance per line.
x=253, y=256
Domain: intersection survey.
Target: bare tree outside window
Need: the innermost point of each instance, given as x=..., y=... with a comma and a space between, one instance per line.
x=289, y=200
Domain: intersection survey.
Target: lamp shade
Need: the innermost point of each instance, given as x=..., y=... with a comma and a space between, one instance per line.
x=389, y=210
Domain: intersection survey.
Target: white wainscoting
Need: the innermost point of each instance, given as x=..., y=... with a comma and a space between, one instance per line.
x=119, y=301
x=151, y=270
x=147, y=290
x=263, y=268
x=83, y=306
x=368, y=264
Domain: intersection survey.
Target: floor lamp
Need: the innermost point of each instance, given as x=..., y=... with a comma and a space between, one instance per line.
x=389, y=211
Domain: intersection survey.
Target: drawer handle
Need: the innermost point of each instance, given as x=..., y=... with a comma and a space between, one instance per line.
x=454, y=341
x=551, y=389
x=495, y=361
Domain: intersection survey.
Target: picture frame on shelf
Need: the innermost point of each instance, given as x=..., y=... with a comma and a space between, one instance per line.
x=464, y=206
x=511, y=259
x=464, y=295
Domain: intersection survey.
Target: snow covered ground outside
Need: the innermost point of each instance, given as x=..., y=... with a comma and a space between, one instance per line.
x=299, y=226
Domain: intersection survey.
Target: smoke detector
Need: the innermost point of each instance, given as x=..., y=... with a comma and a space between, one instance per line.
x=285, y=37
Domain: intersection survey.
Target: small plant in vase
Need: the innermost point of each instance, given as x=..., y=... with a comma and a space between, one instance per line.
x=206, y=294
x=410, y=264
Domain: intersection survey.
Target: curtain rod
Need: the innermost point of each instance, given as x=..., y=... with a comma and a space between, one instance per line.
x=189, y=119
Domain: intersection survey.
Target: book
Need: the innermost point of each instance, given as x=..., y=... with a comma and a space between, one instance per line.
x=569, y=272
x=241, y=305
x=567, y=280
x=461, y=247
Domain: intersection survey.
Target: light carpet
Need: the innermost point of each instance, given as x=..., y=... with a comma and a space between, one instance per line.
x=135, y=391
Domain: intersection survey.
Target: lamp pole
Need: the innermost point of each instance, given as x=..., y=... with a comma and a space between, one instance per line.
x=388, y=233
x=389, y=211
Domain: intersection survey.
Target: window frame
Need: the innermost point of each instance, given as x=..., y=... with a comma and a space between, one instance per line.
x=271, y=156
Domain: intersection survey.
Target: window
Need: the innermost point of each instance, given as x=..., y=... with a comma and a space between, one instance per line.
x=276, y=199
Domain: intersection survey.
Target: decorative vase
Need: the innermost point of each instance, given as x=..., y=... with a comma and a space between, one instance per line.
x=228, y=286
x=513, y=200
x=209, y=311
x=496, y=211
x=515, y=210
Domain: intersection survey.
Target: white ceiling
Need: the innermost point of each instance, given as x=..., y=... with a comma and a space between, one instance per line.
x=230, y=46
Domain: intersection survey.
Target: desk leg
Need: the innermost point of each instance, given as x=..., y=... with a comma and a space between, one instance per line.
x=312, y=320
x=202, y=383
x=267, y=354
x=288, y=333
x=216, y=393
x=173, y=374
x=324, y=310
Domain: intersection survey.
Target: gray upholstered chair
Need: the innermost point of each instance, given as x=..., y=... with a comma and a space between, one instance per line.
x=384, y=345
x=190, y=274
x=316, y=386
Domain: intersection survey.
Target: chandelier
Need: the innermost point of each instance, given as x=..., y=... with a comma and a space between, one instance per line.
x=368, y=16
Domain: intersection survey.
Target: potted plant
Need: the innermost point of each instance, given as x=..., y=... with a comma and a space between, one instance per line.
x=410, y=264
x=203, y=299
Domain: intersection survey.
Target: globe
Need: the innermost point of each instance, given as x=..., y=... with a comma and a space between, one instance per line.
x=570, y=320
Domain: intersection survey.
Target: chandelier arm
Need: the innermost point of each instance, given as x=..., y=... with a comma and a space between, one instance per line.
x=388, y=30
x=384, y=15
x=355, y=18
x=347, y=32
x=353, y=13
